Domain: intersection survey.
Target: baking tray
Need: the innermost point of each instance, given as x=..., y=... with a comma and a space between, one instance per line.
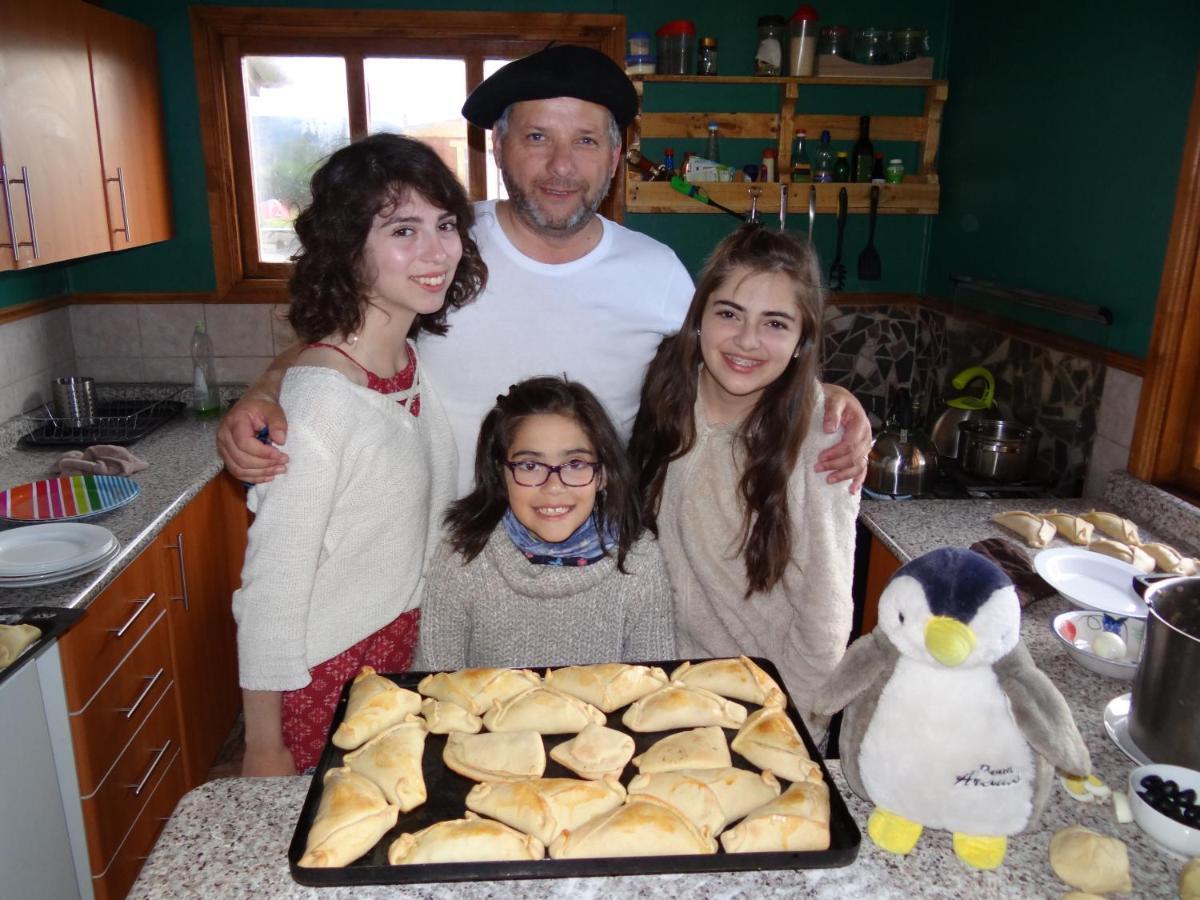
x=447, y=792
x=53, y=621
x=116, y=422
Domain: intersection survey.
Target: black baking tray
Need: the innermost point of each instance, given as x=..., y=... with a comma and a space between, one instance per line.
x=52, y=620
x=447, y=791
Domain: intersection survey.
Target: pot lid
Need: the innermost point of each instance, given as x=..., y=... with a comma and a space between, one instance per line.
x=965, y=377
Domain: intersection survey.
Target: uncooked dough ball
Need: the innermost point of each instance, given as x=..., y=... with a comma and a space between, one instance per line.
x=1189, y=880
x=1090, y=861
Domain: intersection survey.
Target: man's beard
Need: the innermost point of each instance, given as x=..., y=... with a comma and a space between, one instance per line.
x=535, y=216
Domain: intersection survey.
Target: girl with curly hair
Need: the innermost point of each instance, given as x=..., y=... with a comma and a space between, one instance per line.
x=333, y=570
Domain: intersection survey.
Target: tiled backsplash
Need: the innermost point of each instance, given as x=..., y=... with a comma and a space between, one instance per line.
x=33, y=351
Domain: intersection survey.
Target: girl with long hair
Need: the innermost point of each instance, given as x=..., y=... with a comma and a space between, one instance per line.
x=545, y=562
x=332, y=576
x=759, y=547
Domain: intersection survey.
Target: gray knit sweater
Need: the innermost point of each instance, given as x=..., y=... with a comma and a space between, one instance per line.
x=502, y=610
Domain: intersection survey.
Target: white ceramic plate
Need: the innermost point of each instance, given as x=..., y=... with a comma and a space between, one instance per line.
x=54, y=547
x=1116, y=724
x=54, y=577
x=1092, y=580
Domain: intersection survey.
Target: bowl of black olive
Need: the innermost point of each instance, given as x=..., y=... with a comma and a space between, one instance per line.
x=1165, y=805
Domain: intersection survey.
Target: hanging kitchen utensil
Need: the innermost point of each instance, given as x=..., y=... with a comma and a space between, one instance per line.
x=812, y=210
x=783, y=200
x=870, y=266
x=837, y=270
x=694, y=191
x=945, y=433
x=752, y=217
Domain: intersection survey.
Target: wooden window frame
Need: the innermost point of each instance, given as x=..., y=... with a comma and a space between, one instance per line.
x=221, y=35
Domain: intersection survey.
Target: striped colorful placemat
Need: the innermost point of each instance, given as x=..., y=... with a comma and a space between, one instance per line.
x=68, y=497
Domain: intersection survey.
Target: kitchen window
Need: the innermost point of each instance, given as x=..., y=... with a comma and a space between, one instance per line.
x=281, y=89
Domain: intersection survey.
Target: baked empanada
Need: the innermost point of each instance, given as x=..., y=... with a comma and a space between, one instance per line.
x=475, y=689
x=641, y=827
x=351, y=818
x=739, y=678
x=500, y=756
x=796, y=820
x=607, y=686
x=1126, y=553
x=469, y=839
x=1033, y=529
x=700, y=748
x=1075, y=529
x=771, y=741
x=680, y=706
x=595, y=752
x=710, y=798
x=545, y=807
x=13, y=641
x=443, y=717
x=544, y=710
x=1114, y=526
x=376, y=703
x=392, y=760
x=1169, y=560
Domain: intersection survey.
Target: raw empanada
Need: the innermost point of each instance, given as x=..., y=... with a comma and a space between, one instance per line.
x=797, y=820
x=475, y=689
x=502, y=756
x=351, y=818
x=443, y=717
x=738, y=678
x=375, y=703
x=1168, y=559
x=544, y=710
x=771, y=741
x=700, y=748
x=13, y=641
x=710, y=798
x=607, y=686
x=545, y=807
x=1075, y=529
x=470, y=839
x=1033, y=529
x=595, y=752
x=1126, y=553
x=1114, y=526
x=392, y=759
x=680, y=706
x=641, y=827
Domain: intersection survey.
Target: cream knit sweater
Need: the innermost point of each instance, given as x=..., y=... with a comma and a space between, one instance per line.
x=340, y=542
x=502, y=610
x=803, y=623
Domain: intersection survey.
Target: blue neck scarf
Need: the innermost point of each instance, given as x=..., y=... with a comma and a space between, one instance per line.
x=584, y=547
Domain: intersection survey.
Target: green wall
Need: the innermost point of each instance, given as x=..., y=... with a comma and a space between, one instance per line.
x=1060, y=155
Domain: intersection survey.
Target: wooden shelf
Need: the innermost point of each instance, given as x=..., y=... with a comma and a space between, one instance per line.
x=879, y=81
x=915, y=196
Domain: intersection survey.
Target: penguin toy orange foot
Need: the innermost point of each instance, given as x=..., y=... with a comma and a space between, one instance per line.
x=948, y=722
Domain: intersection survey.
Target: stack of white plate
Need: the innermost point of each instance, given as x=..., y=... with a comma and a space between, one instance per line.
x=43, y=554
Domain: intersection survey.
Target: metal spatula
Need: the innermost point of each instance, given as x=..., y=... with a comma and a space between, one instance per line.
x=870, y=266
x=837, y=270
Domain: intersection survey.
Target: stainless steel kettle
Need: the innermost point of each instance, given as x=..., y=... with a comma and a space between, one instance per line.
x=945, y=433
x=902, y=461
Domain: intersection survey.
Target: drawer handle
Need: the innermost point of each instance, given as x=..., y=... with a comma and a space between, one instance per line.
x=144, y=694
x=141, y=785
x=178, y=545
x=142, y=604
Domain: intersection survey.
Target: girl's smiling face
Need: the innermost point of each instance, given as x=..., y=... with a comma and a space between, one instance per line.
x=553, y=511
x=750, y=328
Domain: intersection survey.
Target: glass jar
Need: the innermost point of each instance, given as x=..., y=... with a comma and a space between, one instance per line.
x=772, y=39
x=639, y=65
x=676, y=48
x=909, y=43
x=707, y=64
x=871, y=46
x=802, y=46
x=894, y=173
x=834, y=40
x=639, y=43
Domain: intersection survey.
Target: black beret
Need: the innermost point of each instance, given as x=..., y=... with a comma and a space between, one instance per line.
x=564, y=70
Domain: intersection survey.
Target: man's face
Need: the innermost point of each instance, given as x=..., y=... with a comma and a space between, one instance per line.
x=556, y=160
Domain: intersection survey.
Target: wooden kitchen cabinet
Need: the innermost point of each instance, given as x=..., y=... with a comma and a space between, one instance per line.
x=881, y=565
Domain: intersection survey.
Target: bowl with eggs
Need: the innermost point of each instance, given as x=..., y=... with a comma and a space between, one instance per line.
x=1101, y=643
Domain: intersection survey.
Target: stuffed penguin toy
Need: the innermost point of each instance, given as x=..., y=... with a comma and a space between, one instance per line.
x=948, y=723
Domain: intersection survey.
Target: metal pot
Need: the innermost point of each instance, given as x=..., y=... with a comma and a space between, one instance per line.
x=901, y=463
x=1164, y=712
x=998, y=449
x=945, y=434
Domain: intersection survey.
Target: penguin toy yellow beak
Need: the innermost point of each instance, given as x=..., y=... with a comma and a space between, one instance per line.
x=948, y=640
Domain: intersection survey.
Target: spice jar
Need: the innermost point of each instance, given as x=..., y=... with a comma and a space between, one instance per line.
x=834, y=40
x=871, y=46
x=894, y=174
x=909, y=43
x=677, y=48
x=708, y=57
x=802, y=46
x=772, y=38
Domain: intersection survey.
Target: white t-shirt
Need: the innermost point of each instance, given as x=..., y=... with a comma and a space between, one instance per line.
x=598, y=319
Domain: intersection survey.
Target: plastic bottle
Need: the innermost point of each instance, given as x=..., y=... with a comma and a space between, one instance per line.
x=841, y=168
x=823, y=160
x=669, y=161
x=801, y=164
x=712, y=150
x=864, y=152
x=766, y=168
x=205, y=399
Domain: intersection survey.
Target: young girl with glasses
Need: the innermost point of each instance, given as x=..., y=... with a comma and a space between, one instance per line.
x=332, y=575
x=544, y=562
x=759, y=547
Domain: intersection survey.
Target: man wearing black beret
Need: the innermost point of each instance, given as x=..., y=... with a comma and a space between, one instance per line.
x=568, y=291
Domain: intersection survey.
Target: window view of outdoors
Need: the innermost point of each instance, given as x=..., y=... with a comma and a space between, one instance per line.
x=420, y=98
x=495, y=187
x=297, y=112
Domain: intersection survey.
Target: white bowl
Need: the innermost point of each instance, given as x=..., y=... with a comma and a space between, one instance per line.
x=1077, y=630
x=1174, y=836
x=1091, y=580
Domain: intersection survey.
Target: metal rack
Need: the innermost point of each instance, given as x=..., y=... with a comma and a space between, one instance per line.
x=115, y=422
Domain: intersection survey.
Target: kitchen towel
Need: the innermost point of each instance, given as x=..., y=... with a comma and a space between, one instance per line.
x=1016, y=565
x=100, y=459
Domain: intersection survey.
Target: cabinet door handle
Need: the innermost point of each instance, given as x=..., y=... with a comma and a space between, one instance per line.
x=120, y=180
x=8, y=210
x=178, y=545
x=153, y=679
x=141, y=785
x=33, y=241
x=142, y=605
